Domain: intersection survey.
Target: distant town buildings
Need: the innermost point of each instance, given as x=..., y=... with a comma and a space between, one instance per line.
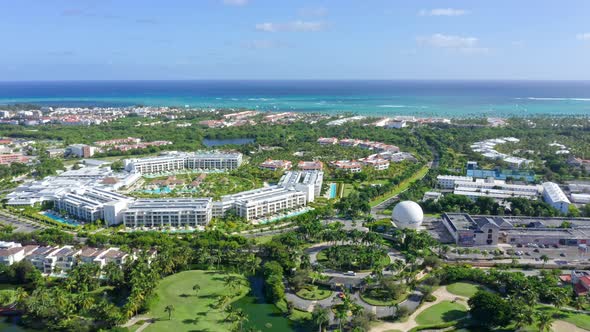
x=555, y=197
x=486, y=148
x=80, y=150
x=342, y=121
x=7, y=159
x=499, y=174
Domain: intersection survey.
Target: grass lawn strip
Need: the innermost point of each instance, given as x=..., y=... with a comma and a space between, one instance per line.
x=191, y=312
x=400, y=187
x=443, y=312
x=465, y=289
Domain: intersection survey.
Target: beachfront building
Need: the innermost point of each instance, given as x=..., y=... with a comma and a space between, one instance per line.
x=274, y=165
x=90, y=204
x=555, y=197
x=308, y=182
x=60, y=260
x=376, y=162
x=350, y=166
x=52, y=188
x=177, y=212
x=259, y=203
x=11, y=252
x=175, y=161
x=310, y=165
x=327, y=140
x=349, y=142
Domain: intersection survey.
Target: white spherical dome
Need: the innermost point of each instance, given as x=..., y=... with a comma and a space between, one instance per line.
x=407, y=214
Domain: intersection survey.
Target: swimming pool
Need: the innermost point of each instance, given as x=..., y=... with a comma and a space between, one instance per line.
x=333, y=187
x=59, y=219
x=280, y=217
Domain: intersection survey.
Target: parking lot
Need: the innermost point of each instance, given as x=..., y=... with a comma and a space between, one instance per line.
x=561, y=255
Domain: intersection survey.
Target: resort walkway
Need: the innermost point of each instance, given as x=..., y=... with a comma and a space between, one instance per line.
x=441, y=295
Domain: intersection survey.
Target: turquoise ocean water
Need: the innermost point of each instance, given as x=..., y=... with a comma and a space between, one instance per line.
x=387, y=98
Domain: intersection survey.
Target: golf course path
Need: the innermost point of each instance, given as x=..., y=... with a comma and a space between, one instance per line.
x=135, y=319
x=563, y=326
x=441, y=295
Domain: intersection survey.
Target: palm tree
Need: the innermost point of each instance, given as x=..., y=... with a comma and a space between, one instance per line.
x=242, y=318
x=544, y=321
x=169, y=309
x=233, y=282
x=230, y=313
x=341, y=315
x=196, y=289
x=320, y=316
x=545, y=259
x=580, y=302
x=524, y=317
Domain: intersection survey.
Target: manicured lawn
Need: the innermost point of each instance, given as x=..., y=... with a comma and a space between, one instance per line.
x=442, y=312
x=191, y=312
x=314, y=293
x=347, y=189
x=464, y=289
x=378, y=302
x=580, y=320
x=400, y=187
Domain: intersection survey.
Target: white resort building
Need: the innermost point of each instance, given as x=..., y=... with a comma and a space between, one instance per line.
x=177, y=161
x=178, y=212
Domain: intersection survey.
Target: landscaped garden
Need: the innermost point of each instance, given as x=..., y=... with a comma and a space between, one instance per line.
x=443, y=312
x=387, y=292
x=312, y=293
x=201, y=185
x=465, y=289
x=353, y=257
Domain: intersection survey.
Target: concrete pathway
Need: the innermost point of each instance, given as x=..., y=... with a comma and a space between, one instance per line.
x=441, y=295
x=563, y=326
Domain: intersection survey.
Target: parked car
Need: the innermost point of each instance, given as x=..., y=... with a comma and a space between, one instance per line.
x=350, y=273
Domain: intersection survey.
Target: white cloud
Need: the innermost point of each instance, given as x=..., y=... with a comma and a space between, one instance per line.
x=467, y=45
x=583, y=36
x=297, y=26
x=443, y=12
x=313, y=11
x=235, y=2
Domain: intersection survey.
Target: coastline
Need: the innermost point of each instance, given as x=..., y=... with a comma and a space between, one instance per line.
x=448, y=99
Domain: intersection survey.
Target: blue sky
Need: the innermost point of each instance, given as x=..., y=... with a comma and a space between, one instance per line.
x=289, y=39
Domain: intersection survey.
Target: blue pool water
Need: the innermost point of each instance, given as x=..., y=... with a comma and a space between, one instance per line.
x=333, y=190
x=59, y=219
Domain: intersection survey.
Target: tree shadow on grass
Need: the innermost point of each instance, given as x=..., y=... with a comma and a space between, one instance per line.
x=453, y=315
x=209, y=296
